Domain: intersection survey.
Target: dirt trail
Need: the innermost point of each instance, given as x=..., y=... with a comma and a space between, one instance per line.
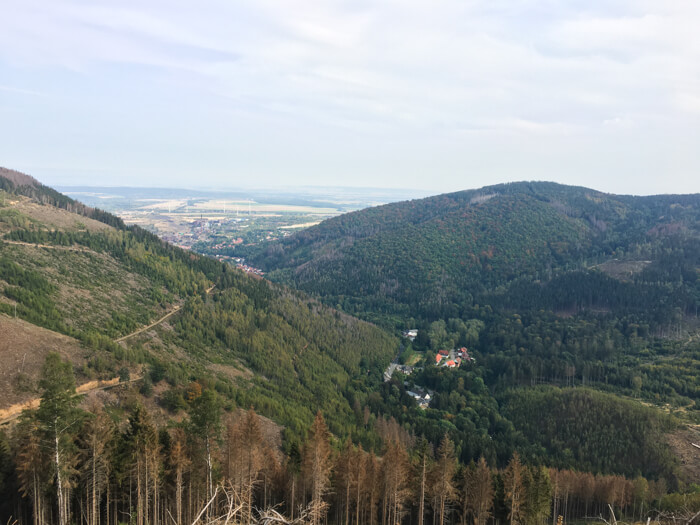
x=141, y=330
x=50, y=246
x=156, y=323
x=14, y=411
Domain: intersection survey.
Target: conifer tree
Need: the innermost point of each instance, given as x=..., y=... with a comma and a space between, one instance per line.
x=179, y=463
x=59, y=418
x=396, y=476
x=442, y=478
x=205, y=422
x=245, y=441
x=94, y=465
x=478, y=492
x=424, y=458
x=32, y=465
x=142, y=445
x=294, y=461
x=513, y=489
x=538, y=493
x=317, y=466
x=343, y=478
x=359, y=475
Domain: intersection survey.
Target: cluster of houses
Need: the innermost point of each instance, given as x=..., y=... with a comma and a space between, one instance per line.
x=249, y=269
x=422, y=396
x=453, y=358
x=223, y=245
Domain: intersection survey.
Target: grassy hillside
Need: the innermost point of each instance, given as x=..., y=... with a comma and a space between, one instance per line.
x=80, y=272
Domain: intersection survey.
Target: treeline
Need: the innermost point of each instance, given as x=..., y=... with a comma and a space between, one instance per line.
x=600, y=350
x=657, y=303
x=65, y=465
x=47, y=195
x=144, y=252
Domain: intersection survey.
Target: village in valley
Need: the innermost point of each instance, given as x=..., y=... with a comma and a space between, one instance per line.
x=444, y=358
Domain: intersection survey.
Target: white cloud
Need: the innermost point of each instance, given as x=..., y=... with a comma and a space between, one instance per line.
x=406, y=74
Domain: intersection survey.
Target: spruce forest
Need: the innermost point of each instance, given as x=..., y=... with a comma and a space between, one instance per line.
x=144, y=384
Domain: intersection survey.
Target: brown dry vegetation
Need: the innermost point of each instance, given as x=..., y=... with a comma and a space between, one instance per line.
x=49, y=217
x=688, y=456
x=21, y=179
x=23, y=348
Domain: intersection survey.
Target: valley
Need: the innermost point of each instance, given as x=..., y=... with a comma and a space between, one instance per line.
x=546, y=334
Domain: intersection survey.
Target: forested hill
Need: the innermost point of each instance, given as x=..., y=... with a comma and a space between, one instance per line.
x=81, y=273
x=546, y=285
x=22, y=184
x=428, y=258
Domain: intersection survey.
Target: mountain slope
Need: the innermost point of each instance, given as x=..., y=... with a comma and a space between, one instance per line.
x=423, y=257
x=544, y=284
x=258, y=343
x=80, y=272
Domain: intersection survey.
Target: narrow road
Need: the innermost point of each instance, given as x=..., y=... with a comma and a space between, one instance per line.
x=13, y=412
x=50, y=246
x=141, y=330
x=156, y=323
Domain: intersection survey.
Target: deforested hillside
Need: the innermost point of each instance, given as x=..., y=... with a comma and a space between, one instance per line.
x=81, y=273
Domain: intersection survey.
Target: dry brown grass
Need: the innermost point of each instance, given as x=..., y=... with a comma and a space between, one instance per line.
x=23, y=348
x=688, y=456
x=56, y=218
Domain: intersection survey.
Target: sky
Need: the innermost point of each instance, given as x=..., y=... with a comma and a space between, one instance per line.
x=438, y=95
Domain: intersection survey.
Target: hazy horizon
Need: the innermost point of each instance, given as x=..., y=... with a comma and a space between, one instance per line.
x=428, y=97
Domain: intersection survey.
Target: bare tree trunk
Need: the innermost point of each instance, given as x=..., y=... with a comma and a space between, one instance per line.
x=146, y=491
x=421, y=503
x=178, y=495
x=210, y=482
x=292, y=505
x=59, y=481
x=139, y=494
x=358, y=495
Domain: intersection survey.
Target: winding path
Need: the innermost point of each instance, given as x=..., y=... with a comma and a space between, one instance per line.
x=50, y=246
x=156, y=323
x=14, y=411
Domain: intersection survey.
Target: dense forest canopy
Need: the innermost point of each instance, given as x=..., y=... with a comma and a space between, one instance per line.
x=567, y=284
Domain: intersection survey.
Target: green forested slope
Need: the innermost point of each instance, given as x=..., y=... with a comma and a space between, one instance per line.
x=280, y=351
x=427, y=258
x=546, y=285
